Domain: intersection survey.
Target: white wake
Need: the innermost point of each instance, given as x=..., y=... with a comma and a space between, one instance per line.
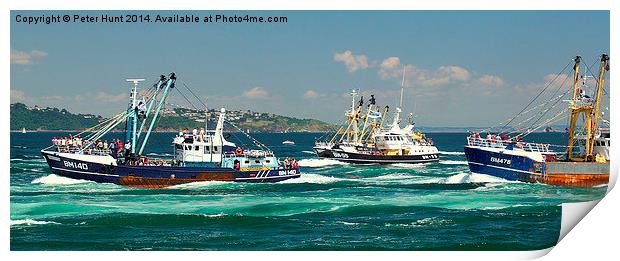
x=312, y=178
x=53, y=179
x=319, y=162
x=29, y=222
x=453, y=162
x=452, y=153
x=472, y=178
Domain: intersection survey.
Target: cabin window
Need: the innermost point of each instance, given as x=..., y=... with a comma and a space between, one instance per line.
x=178, y=146
x=214, y=149
x=257, y=161
x=197, y=148
x=206, y=150
x=187, y=147
x=247, y=162
x=268, y=161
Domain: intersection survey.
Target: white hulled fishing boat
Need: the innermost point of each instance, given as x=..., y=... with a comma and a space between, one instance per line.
x=364, y=138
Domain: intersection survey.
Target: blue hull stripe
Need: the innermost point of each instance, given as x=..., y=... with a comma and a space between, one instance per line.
x=504, y=168
x=85, y=172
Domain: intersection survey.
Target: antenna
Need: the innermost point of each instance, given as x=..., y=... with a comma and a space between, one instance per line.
x=134, y=90
x=206, y=116
x=402, y=87
x=353, y=93
x=134, y=128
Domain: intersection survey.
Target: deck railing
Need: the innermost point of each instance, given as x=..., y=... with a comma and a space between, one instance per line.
x=78, y=150
x=249, y=154
x=502, y=144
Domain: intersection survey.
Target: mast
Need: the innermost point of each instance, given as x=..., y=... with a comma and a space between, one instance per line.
x=576, y=111
x=596, y=114
x=400, y=104
x=133, y=129
x=219, y=131
x=590, y=111
x=157, y=86
x=352, y=116
x=171, y=81
x=402, y=87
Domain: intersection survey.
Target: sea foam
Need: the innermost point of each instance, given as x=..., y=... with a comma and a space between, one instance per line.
x=312, y=178
x=319, y=162
x=453, y=162
x=452, y=153
x=472, y=178
x=29, y=222
x=53, y=179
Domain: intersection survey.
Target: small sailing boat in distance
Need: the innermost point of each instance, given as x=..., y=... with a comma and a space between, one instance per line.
x=584, y=161
x=23, y=130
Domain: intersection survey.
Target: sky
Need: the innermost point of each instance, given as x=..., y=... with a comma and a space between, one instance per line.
x=464, y=68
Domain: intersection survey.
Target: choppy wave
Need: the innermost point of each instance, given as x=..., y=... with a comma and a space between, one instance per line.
x=420, y=223
x=409, y=165
x=200, y=184
x=313, y=178
x=472, y=178
x=159, y=154
x=392, y=176
x=53, y=179
x=30, y=222
x=319, y=162
x=453, y=162
x=307, y=152
x=452, y=153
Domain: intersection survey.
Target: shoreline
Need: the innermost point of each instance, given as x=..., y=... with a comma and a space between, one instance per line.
x=169, y=131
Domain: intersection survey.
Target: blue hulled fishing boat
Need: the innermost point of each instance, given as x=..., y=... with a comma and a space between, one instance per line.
x=198, y=156
x=583, y=161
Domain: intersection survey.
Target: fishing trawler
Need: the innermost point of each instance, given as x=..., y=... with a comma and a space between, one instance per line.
x=204, y=156
x=584, y=161
x=363, y=138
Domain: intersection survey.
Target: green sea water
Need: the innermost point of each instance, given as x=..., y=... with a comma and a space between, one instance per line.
x=333, y=206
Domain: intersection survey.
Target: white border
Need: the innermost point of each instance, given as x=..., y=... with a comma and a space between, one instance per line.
x=595, y=238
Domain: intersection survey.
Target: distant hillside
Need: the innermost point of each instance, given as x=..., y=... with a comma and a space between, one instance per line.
x=36, y=118
x=49, y=118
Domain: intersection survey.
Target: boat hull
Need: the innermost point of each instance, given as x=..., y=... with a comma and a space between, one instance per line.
x=157, y=176
x=361, y=158
x=525, y=169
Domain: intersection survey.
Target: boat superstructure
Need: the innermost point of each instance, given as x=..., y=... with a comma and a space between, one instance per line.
x=205, y=156
x=364, y=137
x=583, y=161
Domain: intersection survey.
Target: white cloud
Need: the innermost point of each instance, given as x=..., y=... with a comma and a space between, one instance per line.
x=352, y=62
x=256, y=93
x=391, y=68
x=310, y=94
x=26, y=58
x=17, y=96
x=98, y=97
x=490, y=80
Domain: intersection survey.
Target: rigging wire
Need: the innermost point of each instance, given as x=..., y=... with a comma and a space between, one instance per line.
x=555, y=103
x=195, y=96
x=538, y=95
